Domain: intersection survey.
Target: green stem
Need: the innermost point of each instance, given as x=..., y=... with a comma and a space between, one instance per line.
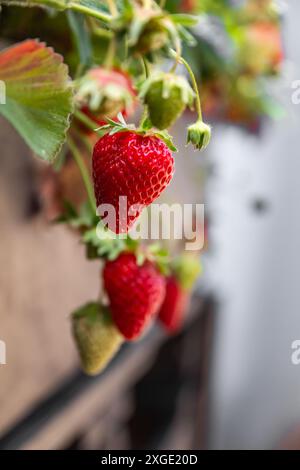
x=146, y=72
x=98, y=30
x=194, y=83
x=106, y=18
x=145, y=66
x=86, y=142
x=178, y=55
x=83, y=171
x=89, y=123
x=143, y=117
x=111, y=52
x=102, y=33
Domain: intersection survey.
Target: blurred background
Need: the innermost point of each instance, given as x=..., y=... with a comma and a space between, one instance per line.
x=227, y=380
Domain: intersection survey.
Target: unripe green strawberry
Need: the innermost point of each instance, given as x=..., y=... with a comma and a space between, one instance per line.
x=96, y=337
x=153, y=37
x=166, y=96
x=199, y=134
x=150, y=30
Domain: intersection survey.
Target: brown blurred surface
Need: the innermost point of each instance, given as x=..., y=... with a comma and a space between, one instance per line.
x=44, y=276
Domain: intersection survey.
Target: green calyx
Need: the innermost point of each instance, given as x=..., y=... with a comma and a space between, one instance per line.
x=157, y=255
x=187, y=269
x=149, y=30
x=145, y=128
x=166, y=95
x=103, y=243
x=199, y=134
x=96, y=337
x=153, y=37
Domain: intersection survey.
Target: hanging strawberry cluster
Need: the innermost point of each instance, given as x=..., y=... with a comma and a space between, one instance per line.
x=129, y=58
x=135, y=162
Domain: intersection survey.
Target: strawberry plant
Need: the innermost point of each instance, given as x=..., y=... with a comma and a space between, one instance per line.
x=72, y=95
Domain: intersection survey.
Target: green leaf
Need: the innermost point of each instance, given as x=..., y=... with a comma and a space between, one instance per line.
x=108, y=245
x=161, y=257
x=90, y=310
x=136, y=29
x=81, y=37
x=165, y=136
x=89, y=7
x=84, y=218
x=186, y=36
x=59, y=4
x=185, y=19
x=146, y=125
x=39, y=96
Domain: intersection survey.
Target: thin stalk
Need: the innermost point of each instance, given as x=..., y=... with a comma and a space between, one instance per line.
x=89, y=123
x=98, y=30
x=146, y=71
x=145, y=66
x=111, y=52
x=194, y=83
x=102, y=33
x=106, y=18
x=86, y=142
x=178, y=54
x=143, y=117
x=83, y=171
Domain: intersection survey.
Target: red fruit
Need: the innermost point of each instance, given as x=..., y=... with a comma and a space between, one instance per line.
x=135, y=293
x=132, y=165
x=105, y=93
x=263, y=50
x=174, y=306
x=188, y=5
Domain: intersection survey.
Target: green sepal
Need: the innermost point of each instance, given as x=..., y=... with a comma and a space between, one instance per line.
x=113, y=127
x=39, y=96
x=185, y=19
x=167, y=138
x=109, y=245
x=83, y=218
x=155, y=253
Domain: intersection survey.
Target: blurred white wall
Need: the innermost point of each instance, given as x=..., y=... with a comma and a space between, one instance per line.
x=255, y=272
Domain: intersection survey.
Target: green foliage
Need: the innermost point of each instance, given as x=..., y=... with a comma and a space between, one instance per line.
x=39, y=96
x=82, y=38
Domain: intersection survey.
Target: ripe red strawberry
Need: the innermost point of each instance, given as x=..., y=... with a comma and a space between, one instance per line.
x=262, y=50
x=185, y=270
x=174, y=305
x=104, y=93
x=133, y=165
x=135, y=293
